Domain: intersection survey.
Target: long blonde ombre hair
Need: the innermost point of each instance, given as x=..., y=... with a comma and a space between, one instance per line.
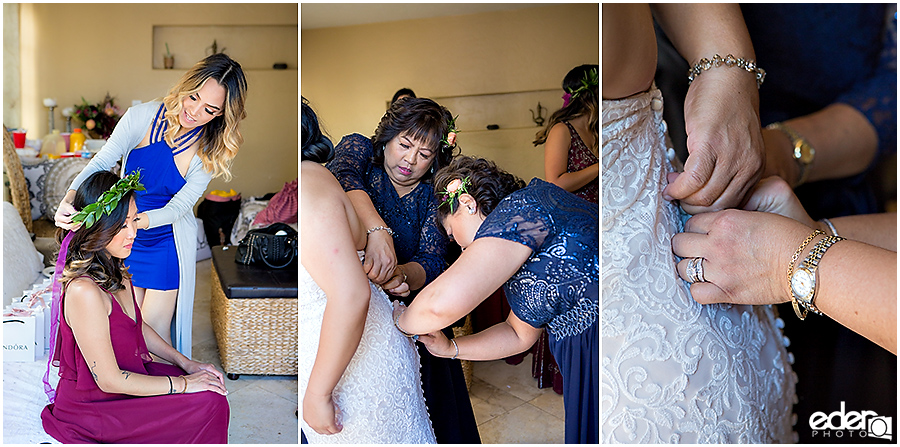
x=221, y=137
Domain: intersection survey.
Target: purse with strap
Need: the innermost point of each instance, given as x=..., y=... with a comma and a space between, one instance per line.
x=275, y=246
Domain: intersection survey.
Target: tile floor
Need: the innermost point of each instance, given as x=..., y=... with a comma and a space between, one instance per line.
x=262, y=407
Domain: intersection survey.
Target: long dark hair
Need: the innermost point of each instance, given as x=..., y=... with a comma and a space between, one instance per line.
x=585, y=103
x=315, y=145
x=488, y=184
x=222, y=136
x=87, y=255
x=422, y=119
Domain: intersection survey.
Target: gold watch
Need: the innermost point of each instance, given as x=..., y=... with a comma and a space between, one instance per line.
x=804, y=280
x=803, y=153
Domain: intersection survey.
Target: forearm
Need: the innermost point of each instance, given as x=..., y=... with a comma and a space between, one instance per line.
x=428, y=312
x=572, y=181
x=134, y=384
x=701, y=30
x=879, y=230
x=867, y=307
x=158, y=346
x=844, y=140
x=364, y=208
x=342, y=328
x=496, y=342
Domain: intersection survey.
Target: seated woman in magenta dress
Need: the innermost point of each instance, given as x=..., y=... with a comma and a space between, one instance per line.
x=541, y=244
x=110, y=391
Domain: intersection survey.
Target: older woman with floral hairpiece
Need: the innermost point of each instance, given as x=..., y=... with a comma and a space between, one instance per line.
x=110, y=390
x=541, y=244
x=181, y=143
x=388, y=179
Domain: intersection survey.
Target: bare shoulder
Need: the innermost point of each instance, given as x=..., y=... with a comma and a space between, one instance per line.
x=83, y=294
x=318, y=186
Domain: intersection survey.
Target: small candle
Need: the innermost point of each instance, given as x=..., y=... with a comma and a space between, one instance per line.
x=68, y=111
x=49, y=102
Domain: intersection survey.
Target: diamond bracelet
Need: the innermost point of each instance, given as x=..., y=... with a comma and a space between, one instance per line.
x=729, y=61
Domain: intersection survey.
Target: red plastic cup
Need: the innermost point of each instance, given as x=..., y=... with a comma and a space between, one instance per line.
x=19, y=139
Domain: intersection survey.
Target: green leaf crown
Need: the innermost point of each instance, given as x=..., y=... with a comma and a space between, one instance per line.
x=109, y=200
x=588, y=82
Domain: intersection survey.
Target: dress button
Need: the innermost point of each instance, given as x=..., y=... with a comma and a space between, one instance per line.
x=656, y=104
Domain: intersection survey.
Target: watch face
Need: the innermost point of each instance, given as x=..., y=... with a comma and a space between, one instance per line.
x=803, y=282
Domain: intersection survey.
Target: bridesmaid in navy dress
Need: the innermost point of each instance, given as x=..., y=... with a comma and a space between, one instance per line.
x=541, y=244
x=388, y=179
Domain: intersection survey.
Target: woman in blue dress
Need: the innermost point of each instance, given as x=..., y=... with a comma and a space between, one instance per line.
x=541, y=244
x=178, y=144
x=388, y=179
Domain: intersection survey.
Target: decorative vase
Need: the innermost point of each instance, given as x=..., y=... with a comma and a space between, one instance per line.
x=169, y=62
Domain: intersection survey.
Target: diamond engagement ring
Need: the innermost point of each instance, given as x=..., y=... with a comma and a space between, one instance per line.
x=695, y=270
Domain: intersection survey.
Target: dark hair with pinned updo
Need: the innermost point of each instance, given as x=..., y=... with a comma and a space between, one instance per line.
x=315, y=145
x=87, y=255
x=421, y=119
x=488, y=184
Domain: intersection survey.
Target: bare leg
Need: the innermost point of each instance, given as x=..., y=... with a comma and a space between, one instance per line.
x=157, y=308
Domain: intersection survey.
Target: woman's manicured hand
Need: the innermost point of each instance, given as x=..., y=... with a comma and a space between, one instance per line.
x=380, y=259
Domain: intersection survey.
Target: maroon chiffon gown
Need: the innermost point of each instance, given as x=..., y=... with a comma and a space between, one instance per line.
x=82, y=413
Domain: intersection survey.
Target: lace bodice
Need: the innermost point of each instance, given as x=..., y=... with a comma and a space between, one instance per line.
x=673, y=370
x=557, y=286
x=380, y=392
x=417, y=237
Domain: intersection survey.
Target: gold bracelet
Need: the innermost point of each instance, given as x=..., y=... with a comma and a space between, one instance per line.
x=397, y=325
x=790, y=273
x=185, y=384
x=729, y=61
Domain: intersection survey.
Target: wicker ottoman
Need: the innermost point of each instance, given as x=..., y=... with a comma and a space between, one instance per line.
x=254, y=316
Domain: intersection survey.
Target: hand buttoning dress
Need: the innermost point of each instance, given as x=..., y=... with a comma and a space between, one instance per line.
x=673, y=370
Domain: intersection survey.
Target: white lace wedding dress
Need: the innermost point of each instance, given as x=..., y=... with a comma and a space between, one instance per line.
x=380, y=393
x=673, y=370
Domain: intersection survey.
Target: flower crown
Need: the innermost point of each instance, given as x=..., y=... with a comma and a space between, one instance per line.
x=450, y=139
x=109, y=200
x=589, y=81
x=454, y=189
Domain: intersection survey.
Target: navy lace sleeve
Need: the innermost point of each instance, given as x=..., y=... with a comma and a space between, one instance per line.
x=352, y=161
x=432, y=245
x=876, y=97
x=558, y=286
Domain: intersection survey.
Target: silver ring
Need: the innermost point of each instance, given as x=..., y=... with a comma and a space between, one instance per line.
x=695, y=270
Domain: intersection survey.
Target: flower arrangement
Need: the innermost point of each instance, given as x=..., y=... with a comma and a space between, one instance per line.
x=99, y=119
x=450, y=139
x=454, y=189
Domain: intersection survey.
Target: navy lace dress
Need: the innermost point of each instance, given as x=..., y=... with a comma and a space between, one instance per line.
x=558, y=288
x=417, y=238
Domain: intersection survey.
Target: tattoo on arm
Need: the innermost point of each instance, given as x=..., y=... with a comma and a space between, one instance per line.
x=92, y=371
x=126, y=374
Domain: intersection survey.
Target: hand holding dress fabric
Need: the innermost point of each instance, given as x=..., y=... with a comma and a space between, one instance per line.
x=745, y=255
x=380, y=257
x=726, y=154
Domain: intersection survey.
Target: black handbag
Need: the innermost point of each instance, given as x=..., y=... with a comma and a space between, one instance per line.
x=275, y=246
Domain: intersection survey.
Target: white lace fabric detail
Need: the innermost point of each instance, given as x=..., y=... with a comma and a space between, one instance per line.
x=673, y=370
x=380, y=394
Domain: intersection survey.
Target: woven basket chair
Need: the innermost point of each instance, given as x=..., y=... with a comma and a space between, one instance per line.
x=18, y=188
